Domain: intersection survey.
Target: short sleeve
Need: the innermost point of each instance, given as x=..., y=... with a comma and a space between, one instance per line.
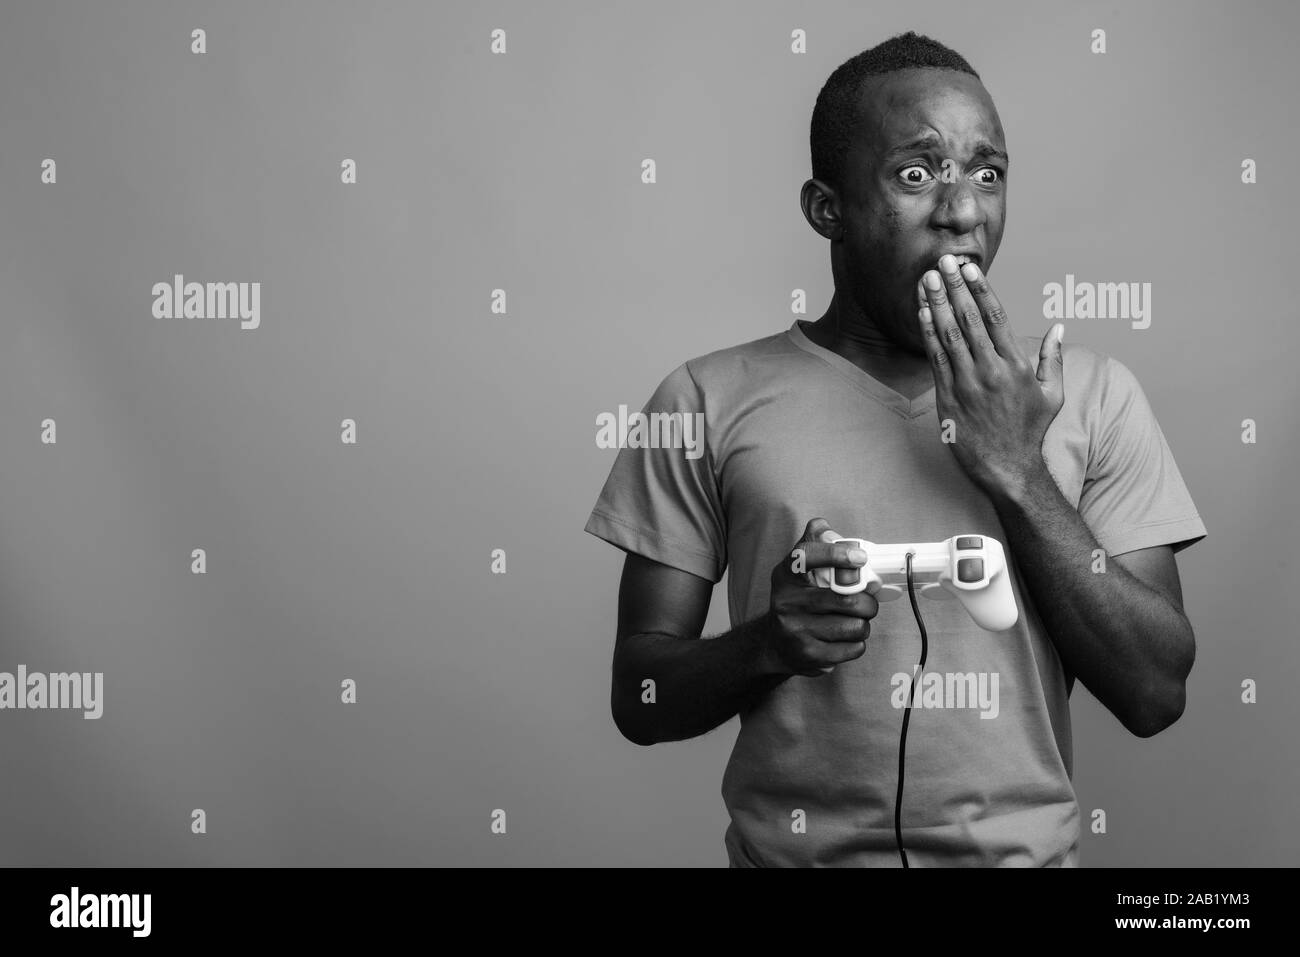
x=1133, y=494
x=661, y=499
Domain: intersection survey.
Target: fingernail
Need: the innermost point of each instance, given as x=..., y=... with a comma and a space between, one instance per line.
x=857, y=555
x=970, y=272
x=932, y=280
x=948, y=262
x=1060, y=334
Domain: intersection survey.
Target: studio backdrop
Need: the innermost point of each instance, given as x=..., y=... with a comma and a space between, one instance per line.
x=319, y=556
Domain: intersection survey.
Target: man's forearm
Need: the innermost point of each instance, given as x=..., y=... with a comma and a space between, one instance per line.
x=699, y=683
x=1128, y=645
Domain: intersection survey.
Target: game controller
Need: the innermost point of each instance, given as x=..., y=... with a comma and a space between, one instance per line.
x=970, y=568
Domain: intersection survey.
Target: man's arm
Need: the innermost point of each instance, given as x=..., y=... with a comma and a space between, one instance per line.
x=1126, y=640
x=699, y=683
x=1122, y=632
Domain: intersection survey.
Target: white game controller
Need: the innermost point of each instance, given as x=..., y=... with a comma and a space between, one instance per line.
x=970, y=568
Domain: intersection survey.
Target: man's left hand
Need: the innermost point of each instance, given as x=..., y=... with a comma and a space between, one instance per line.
x=1001, y=405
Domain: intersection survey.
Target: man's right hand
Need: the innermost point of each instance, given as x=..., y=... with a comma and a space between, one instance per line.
x=813, y=629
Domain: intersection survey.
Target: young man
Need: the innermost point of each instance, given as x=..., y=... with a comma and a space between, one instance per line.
x=836, y=428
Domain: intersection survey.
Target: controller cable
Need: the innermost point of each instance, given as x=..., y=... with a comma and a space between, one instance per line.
x=902, y=743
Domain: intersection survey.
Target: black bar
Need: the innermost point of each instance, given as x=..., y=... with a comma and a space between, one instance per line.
x=369, y=905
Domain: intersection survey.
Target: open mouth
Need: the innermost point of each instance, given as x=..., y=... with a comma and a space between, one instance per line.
x=962, y=259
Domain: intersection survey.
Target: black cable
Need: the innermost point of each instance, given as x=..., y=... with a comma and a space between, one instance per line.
x=902, y=743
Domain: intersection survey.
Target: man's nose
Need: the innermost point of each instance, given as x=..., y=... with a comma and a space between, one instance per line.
x=959, y=209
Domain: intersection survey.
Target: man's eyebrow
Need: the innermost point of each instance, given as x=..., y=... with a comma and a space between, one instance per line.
x=931, y=141
x=985, y=148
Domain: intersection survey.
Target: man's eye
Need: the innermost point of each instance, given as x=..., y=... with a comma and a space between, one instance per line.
x=915, y=175
x=993, y=176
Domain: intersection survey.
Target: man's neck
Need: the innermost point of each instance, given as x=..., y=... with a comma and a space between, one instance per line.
x=859, y=339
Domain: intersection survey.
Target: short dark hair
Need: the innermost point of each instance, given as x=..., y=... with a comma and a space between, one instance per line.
x=835, y=115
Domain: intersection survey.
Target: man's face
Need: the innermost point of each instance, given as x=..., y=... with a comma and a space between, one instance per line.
x=898, y=212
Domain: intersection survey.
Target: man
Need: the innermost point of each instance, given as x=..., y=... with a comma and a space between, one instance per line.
x=838, y=427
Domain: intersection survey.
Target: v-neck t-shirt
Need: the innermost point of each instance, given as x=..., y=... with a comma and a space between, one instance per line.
x=794, y=431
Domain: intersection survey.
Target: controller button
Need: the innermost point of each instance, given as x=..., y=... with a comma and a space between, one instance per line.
x=846, y=576
x=969, y=541
x=970, y=569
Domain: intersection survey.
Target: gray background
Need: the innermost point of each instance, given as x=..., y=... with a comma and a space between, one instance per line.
x=477, y=431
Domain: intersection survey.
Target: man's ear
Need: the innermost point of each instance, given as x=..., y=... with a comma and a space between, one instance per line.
x=821, y=208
